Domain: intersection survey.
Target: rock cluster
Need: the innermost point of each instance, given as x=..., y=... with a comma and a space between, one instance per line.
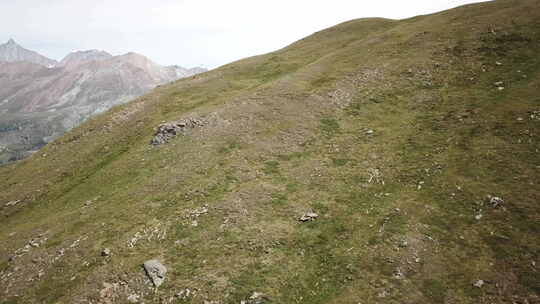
x=168, y=130
x=535, y=115
x=186, y=293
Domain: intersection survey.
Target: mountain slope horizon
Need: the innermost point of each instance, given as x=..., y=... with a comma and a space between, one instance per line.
x=40, y=102
x=376, y=161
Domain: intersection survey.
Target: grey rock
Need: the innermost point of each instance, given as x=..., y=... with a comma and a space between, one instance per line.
x=479, y=283
x=308, y=216
x=255, y=298
x=168, y=130
x=495, y=201
x=13, y=203
x=534, y=115
x=155, y=271
x=106, y=252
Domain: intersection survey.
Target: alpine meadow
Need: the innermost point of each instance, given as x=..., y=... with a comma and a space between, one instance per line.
x=376, y=161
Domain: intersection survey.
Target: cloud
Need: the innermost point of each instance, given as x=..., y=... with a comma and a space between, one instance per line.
x=187, y=32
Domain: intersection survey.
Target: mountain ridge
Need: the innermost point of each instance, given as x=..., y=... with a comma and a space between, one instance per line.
x=80, y=57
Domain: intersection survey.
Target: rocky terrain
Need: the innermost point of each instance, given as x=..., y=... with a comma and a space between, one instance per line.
x=12, y=52
x=41, y=99
x=377, y=161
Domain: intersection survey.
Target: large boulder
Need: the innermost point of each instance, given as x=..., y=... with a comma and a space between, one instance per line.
x=155, y=271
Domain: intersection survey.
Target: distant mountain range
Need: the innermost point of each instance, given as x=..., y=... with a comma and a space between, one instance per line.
x=41, y=98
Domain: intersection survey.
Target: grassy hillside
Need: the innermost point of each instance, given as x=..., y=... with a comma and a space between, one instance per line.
x=393, y=132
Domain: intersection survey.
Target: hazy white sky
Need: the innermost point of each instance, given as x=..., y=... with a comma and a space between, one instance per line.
x=187, y=32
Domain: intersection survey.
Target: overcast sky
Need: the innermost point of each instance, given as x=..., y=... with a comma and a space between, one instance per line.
x=187, y=32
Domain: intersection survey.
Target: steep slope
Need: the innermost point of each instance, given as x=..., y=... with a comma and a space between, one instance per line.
x=39, y=104
x=12, y=52
x=393, y=132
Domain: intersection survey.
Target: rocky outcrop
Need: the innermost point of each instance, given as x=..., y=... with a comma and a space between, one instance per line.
x=166, y=131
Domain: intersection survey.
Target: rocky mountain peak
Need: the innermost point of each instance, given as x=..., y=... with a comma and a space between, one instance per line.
x=80, y=57
x=13, y=52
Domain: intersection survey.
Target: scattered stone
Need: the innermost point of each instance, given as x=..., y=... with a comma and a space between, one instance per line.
x=168, y=130
x=375, y=175
x=370, y=132
x=106, y=252
x=499, y=84
x=308, y=216
x=199, y=211
x=403, y=244
x=479, y=283
x=186, y=294
x=498, y=63
x=255, y=298
x=13, y=203
x=398, y=274
x=534, y=115
x=155, y=271
x=383, y=294
x=109, y=290
x=478, y=217
x=495, y=201
x=133, y=298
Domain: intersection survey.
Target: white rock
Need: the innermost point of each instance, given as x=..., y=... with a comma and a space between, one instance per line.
x=133, y=298
x=309, y=216
x=479, y=283
x=495, y=200
x=106, y=252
